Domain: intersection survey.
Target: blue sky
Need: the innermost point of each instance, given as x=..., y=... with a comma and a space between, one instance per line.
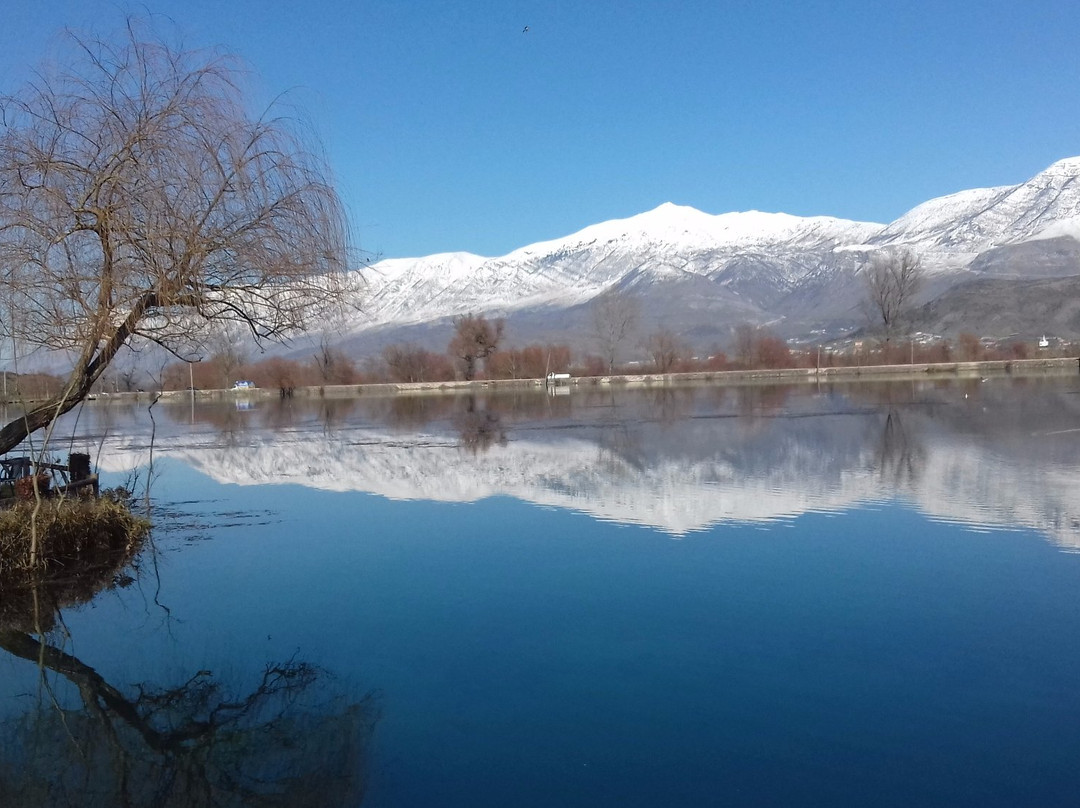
x=447, y=128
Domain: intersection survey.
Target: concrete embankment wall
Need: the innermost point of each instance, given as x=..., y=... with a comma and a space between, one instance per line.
x=1015, y=367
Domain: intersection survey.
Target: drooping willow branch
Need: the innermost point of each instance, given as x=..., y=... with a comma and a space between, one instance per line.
x=140, y=197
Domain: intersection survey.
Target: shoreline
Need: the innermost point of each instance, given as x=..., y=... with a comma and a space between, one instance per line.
x=945, y=370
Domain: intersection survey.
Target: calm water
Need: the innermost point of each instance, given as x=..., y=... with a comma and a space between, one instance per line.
x=850, y=595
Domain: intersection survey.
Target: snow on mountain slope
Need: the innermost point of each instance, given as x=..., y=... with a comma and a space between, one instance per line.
x=456, y=265
x=668, y=242
x=397, y=286
x=682, y=227
x=749, y=261
x=1068, y=227
x=967, y=223
x=935, y=221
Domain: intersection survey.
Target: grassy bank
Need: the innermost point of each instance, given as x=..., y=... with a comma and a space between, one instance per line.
x=63, y=538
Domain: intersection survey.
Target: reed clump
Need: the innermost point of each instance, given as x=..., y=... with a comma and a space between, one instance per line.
x=70, y=535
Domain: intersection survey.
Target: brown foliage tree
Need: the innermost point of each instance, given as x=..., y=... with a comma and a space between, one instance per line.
x=593, y=366
x=716, y=360
x=939, y=352
x=280, y=373
x=140, y=199
x=1019, y=350
x=505, y=365
x=773, y=352
x=411, y=363
x=479, y=427
x=969, y=347
x=29, y=385
x=539, y=360
x=475, y=339
x=530, y=362
x=760, y=348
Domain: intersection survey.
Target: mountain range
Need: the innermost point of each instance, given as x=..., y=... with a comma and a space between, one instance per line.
x=998, y=261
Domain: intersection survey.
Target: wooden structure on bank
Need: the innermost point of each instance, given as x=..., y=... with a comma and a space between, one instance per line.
x=24, y=478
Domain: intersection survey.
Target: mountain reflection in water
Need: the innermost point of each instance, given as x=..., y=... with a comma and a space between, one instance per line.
x=535, y=656
x=994, y=453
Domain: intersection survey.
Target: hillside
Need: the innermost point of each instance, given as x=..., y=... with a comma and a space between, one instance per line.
x=700, y=274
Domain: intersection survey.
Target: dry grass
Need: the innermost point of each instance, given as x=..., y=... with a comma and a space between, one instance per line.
x=82, y=544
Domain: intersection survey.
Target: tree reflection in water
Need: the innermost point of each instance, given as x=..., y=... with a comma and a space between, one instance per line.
x=290, y=737
x=901, y=458
x=479, y=427
x=671, y=404
x=410, y=412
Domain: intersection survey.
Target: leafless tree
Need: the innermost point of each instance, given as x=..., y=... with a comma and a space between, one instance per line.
x=745, y=344
x=333, y=365
x=666, y=350
x=411, y=363
x=126, y=374
x=475, y=338
x=615, y=317
x=229, y=346
x=139, y=198
x=297, y=735
x=128, y=378
x=892, y=281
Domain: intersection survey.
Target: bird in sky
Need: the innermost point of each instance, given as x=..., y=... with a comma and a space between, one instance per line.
x=525, y=30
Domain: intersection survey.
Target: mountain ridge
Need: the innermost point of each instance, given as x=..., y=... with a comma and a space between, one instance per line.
x=691, y=271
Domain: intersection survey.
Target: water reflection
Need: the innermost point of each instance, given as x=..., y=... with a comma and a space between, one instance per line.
x=901, y=456
x=288, y=735
x=877, y=653
x=479, y=427
x=680, y=459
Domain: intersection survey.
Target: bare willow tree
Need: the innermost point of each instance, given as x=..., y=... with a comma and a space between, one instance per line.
x=892, y=281
x=140, y=198
x=615, y=317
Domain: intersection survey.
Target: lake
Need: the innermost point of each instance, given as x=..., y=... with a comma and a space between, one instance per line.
x=853, y=594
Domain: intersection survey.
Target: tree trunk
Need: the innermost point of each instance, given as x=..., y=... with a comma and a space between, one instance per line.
x=87, y=370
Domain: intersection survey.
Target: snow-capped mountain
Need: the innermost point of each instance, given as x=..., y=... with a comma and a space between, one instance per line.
x=667, y=243
x=969, y=222
x=700, y=274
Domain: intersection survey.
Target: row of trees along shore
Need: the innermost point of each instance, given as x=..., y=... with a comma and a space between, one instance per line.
x=663, y=352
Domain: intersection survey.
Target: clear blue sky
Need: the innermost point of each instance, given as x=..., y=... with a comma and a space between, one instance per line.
x=449, y=129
